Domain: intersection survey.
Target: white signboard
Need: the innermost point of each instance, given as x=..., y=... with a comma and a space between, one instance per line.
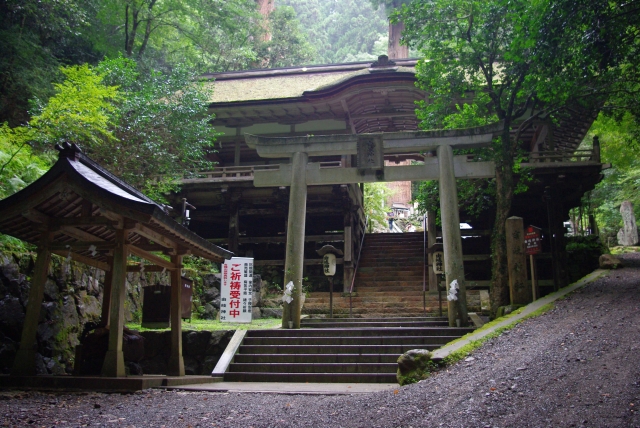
x=236, y=290
x=438, y=262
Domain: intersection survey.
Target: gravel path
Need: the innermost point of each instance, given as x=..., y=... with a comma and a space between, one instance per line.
x=577, y=365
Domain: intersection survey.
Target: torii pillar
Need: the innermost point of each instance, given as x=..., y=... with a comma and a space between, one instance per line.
x=451, y=238
x=294, y=256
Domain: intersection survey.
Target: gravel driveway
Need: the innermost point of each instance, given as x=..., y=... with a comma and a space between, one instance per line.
x=577, y=365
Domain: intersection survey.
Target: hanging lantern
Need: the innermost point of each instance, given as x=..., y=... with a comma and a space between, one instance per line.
x=329, y=264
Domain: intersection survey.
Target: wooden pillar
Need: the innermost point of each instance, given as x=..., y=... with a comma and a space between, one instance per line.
x=348, y=252
x=176, y=362
x=432, y=233
x=519, y=289
x=236, y=148
x=25, y=361
x=294, y=256
x=114, y=360
x=106, y=295
x=451, y=239
x=234, y=221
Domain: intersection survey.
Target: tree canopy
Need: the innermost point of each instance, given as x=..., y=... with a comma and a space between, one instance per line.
x=505, y=58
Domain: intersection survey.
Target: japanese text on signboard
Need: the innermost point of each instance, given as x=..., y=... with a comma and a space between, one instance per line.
x=236, y=290
x=532, y=240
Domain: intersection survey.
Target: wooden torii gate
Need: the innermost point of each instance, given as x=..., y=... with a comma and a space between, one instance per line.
x=370, y=150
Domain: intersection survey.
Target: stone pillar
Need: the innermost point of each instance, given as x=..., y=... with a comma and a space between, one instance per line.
x=451, y=239
x=25, y=361
x=176, y=362
x=519, y=289
x=628, y=235
x=432, y=233
x=114, y=360
x=294, y=256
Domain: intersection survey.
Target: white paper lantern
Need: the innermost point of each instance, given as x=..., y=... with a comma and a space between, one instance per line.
x=329, y=264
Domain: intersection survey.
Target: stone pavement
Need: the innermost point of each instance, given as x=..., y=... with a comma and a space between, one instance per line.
x=291, y=388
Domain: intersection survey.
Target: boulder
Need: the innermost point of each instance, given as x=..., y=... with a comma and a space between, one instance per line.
x=89, y=307
x=414, y=366
x=218, y=342
x=209, y=312
x=195, y=343
x=607, y=261
x=271, y=312
x=256, y=313
x=210, y=294
x=8, y=350
x=11, y=317
x=51, y=291
x=191, y=366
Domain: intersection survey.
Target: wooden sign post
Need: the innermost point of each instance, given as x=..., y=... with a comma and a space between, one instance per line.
x=533, y=246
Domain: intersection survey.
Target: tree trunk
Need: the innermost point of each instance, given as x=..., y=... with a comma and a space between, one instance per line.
x=394, y=49
x=504, y=196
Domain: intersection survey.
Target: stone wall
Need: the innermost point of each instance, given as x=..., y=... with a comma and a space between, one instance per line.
x=73, y=298
x=201, y=350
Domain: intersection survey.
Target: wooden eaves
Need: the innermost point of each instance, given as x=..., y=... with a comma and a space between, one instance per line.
x=83, y=204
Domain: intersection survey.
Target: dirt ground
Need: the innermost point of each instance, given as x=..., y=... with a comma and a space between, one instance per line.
x=577, y=365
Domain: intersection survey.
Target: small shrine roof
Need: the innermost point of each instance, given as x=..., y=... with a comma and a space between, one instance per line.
x=82, y=204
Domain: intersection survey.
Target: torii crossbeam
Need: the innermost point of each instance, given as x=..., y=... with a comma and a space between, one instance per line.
x=370, y=150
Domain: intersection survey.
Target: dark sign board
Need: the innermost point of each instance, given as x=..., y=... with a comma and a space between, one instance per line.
x=533, y=240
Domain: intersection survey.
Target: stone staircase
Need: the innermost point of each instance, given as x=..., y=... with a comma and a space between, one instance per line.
x=336, y=350
x=388, y=281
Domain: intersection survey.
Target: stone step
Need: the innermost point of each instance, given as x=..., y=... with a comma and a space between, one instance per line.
x=386, y=270
x=317, y=358
x=318, y=321
x=392, y=332
x=389, y=286
x=332, y=341
x=371, y=298
x=311, y=377
x=384, y=324
x=396, y=350
x=311, y=367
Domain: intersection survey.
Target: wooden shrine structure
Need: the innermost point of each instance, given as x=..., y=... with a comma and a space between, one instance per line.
x=243, y=203
x=80, y=210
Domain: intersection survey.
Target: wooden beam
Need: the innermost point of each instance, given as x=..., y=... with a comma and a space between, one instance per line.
x=114, y=217
x=84, y=259
x=37, y=217
x=82, y=245
x=280, y=239
x=151, y=257
x=308, y=262
x=147, y=268
x=154, y=236
x=84, y=221
x=79, y=234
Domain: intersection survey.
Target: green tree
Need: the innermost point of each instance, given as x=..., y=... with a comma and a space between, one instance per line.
x=288, y=45
x=36, y=37
x=375, y=205
x=149, y=129
x=342, y=31
x=203, y=34
x=508, y=51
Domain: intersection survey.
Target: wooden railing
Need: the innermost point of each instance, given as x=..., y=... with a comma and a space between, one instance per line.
x=564, y=156
x=241, y=173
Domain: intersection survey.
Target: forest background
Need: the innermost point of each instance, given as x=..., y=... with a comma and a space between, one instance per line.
x=93, y=71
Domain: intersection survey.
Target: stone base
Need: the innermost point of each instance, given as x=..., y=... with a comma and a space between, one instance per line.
x=97, y=383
